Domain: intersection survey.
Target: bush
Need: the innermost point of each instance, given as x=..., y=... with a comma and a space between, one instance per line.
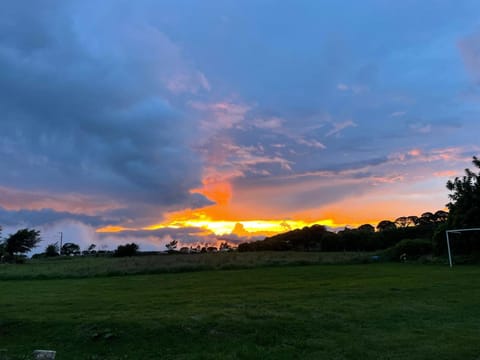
x=13, y=259
x=412, y=248
x=51, y=250
x=126, y=250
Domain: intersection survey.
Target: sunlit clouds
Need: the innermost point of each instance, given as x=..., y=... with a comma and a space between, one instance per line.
x=210, y=121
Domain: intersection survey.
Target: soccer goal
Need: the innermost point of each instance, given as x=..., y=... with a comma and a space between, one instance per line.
x=457, y=231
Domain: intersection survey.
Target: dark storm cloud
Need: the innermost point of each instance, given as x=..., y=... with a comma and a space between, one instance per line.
x=34, y=218
x=84, y=107
x=127, y=105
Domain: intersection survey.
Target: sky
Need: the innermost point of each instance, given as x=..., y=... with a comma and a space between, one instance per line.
x=220, y=120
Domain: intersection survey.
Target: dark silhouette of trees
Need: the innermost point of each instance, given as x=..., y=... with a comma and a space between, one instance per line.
x=385, y=225
x=413, y=220
x=364, y=238
x=465, y=199
x=427, y=218
x=401, y=222
x=367, y=228
x=126, y=250
x=70, y=249
x=225, y=247
x=22, y=241
x=441, y=216
x=464, y=213
x=90, y=250
x=172, y=245
x=52, y=250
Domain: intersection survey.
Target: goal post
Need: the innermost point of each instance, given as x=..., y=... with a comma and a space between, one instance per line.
x=456, y=231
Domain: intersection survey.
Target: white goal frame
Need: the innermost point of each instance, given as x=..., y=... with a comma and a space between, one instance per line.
x=456, y=231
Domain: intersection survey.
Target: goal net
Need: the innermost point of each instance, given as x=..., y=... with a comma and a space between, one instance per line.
x=456, y=231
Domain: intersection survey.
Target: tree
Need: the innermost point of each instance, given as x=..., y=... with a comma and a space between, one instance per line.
x=401, y=222
x=441, y=216
x=225, y=246
x=465, y=199
x=126, y=250
x=386, y=225
x=51, y=250
x=172, y=246
x=427, y=218
x=413, y=220
x=22, y=241
x=366, y=228
x=70, y=249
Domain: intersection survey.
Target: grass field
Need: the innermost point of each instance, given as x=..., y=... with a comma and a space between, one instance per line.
x=79, y=267
x=371, y=311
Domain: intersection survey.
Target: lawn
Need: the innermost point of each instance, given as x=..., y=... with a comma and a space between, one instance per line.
x=371, y=311
x=80, y=267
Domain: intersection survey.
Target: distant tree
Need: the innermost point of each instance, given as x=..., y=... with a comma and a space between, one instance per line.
x=126, y=250
x=172, y=246
x=386, y=225
x=440, y=216
x=427, y=218
x=413, y=220
x=90, y=250
x=367, y=228
x=224, y=246
x=51, y=250
x=70, y=248
x=22, y=241
x=401, y=221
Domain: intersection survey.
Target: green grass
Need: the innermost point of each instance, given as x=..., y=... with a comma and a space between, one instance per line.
x=373, y=311
x=79, y=267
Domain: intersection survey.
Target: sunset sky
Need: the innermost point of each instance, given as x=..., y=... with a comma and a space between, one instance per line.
x=204, y=121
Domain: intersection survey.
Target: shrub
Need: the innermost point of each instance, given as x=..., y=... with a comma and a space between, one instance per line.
x=126, y=250
x=412, y=248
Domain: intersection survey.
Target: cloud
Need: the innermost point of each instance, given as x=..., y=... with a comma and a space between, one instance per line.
x=220, y=115
x=124, y=112
x=87, y=110
x=35, y=218
x=355, y=89
x=470, y=50
x=269, y=123
x=339, y=126
x=421, y=128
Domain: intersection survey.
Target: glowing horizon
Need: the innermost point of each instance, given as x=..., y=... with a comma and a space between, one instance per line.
x=153, y=123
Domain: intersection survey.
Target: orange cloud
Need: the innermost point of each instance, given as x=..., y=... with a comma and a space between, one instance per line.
x=220, y=192
x=111, y=229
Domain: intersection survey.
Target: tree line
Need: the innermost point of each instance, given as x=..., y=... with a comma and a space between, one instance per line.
x=14, y=247
x=366, y=237
x=415, y=234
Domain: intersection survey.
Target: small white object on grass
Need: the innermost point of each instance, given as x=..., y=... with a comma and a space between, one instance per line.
x=44, y=354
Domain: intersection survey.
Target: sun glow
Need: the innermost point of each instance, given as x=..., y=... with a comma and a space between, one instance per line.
x=241, y=228
x=111, y=229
